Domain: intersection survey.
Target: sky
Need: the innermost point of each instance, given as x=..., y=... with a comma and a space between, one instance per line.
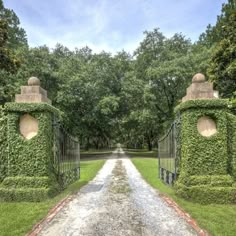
x=111, y=25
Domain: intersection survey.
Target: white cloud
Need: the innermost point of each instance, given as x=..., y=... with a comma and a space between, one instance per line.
x=110, y=25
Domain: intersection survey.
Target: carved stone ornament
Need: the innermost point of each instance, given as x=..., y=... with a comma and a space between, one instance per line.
x=28, y=126
x=206, y=126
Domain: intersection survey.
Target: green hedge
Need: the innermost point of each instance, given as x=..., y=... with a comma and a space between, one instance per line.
x=207, y=194
x=210, y=180
x=3, y=144
x=206, y=167
x=30, y=162
x=31, y=107
x=232, y=144
x=32, y=172
x=203, y=155
x=30, y=157
x=26, y=182
x=24, y=194
x=203, y=103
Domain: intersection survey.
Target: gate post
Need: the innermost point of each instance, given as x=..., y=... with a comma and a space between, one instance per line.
x=30, y=171
x=205, y=168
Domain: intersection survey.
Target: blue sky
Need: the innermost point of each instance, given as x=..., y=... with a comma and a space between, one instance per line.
x=111, y=25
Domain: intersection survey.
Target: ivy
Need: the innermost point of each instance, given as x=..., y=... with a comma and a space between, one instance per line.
x=207, y=165
x=27, y=168
x=3, y=143
x=31, y=107
x=203, y=103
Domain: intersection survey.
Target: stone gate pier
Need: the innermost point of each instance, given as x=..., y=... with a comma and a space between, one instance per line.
x=207, y=155
x=36, y=167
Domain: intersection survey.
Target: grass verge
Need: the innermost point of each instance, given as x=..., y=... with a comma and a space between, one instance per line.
x=18, y=218
x=140, y=153
x=95, y=153
x=217, y=219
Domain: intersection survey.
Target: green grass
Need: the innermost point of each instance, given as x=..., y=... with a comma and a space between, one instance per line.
x=96, y=152
x=140, y=153
x=18, y=218
x=219, y=220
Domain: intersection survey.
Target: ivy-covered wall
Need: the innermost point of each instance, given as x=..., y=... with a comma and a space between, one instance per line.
x=3, y=144
x=29, y=157
x=205, y=171
x=232, y=145
x=31, y=171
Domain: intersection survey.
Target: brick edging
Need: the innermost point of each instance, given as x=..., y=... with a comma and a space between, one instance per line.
x=51, y=214
x=192, y=222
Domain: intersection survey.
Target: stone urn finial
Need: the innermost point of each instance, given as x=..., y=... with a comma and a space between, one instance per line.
x=200, y=89
x=198, y=78
x=32, y=93
x=33, y=81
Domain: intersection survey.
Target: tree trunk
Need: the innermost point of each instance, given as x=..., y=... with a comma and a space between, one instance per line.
x=149, y=143
x=87, y=144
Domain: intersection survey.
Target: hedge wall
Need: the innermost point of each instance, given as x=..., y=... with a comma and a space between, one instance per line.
x=232, y=144
x=3, y=144
x=205, y=171
x=29, y=157
x=31, y=174
x=202, y=103
x=32, y=189
x=202, y=155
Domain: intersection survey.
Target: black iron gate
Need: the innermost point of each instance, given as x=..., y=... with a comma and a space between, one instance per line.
x=66, y=155
x=169, y=154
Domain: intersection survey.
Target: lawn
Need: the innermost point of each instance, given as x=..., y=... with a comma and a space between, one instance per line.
x=219, y=220
x=18, y=218
x=95, y=152
x=140, y=153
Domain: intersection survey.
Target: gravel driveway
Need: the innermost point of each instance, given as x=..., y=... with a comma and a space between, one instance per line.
x=118, y=202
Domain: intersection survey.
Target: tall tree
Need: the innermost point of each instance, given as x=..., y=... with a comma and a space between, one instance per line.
x=12, y=41
x=7, y=60
x=16, y=35
x=222, y=69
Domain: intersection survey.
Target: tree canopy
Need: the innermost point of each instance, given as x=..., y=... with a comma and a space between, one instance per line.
x=119, y=98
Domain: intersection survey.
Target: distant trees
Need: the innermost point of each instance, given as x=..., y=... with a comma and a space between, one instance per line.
x=222, y=69
x=12, y=39
x=164, y=67
x=16, y=35
x=8, y=61
x=220, y=41
x=121, y=98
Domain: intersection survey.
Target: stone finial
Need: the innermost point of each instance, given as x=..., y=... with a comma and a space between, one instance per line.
x=33, y=81
x=32, y=93
x=198, y=78
x=200, y=89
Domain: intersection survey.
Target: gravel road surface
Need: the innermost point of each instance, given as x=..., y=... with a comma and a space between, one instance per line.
x=118, y=202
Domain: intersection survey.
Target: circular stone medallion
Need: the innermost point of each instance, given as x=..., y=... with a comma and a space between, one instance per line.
x=206, y=126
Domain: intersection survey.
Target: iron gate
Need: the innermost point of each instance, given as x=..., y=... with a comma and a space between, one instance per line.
x=66, y=155
x=169, y=154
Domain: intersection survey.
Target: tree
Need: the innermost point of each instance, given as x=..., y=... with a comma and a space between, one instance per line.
x=12, y=40
x=16, y=34
x=7, y=60
x=89, y=94
x=167, y=72
x=222, y=69
x=40, y=62
x=8, y=66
